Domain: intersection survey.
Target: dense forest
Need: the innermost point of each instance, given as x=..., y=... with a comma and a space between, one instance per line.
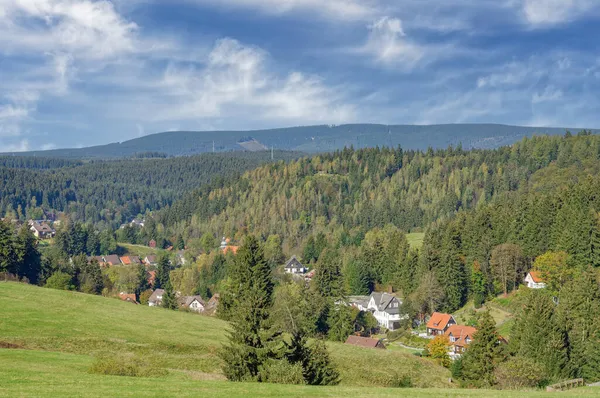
x=112, y=191
x=363, y=189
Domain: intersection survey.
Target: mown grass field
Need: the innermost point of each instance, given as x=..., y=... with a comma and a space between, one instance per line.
x=55, y=337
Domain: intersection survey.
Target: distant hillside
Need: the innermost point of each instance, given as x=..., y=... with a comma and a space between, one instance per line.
x=311, y=139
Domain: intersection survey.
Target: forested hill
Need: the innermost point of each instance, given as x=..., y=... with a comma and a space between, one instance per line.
x=312, y=139
x=357, y=190
x=113, y=191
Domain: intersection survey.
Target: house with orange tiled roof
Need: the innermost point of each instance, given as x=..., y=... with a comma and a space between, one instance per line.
x=534, y=280
x=438, y=323
x=130, y=298
x=460, y=337
x=226, y=246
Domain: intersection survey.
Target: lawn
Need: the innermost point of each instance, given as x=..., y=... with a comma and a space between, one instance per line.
x=55, y=337
x=50, y=320
x=54, y=374
x=415, y=239
x=137, y=250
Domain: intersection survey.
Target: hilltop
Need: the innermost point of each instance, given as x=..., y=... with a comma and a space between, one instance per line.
x=310, y=139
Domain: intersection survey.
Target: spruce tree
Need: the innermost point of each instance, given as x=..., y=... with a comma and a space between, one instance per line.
x=538, y=334
x=169, y=300
x=30, y=261
x=483, y=354
x=328, y=277
x=162, y=272
x=578, y=299
x=340, y=323
x=251, y=340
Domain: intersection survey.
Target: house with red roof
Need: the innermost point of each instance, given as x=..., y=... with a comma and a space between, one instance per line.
x=438, y=323
x=460, y=337
x=534, y=280
x=130, y=298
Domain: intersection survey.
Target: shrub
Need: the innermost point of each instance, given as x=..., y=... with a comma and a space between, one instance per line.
x=145, y=296
x=282, y=372
x=125, y=366
x=519, y=373
x=60, y=281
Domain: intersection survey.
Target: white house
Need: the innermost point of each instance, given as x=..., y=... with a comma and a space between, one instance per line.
x=294, y=266
x=386, y=309
x=534, y=280
x=155, y=299
x=193, y=303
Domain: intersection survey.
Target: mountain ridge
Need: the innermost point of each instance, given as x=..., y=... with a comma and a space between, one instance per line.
x=311, y=139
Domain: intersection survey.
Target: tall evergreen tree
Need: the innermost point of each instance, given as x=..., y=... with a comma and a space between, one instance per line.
x=163, y=270
x=169, y=300
x=483, y=354
x=251, y=341
x=539, y=335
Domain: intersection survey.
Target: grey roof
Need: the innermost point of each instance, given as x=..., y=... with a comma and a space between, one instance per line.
x=294, y=263
x=383, y=302
x=113, y=259
x=359, y=300
x=156, y=294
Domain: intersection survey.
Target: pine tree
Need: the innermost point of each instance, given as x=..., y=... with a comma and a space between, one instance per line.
x=162, y=272
x=340, y=323
x=251, y=341
x=358, y=280
x=578, y=299
x=317, y=368
x=539, y=335
x=328, y=277
x=30, y=261
x=483, y=354
x=8, y=254
x=143, y=283
x=169, y=300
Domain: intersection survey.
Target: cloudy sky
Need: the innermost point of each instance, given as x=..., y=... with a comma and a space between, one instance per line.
x=83, y=72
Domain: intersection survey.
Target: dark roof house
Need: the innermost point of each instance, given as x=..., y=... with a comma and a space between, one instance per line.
x=294, y=266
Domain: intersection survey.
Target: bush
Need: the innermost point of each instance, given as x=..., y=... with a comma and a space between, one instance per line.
x=60, y=281
x=145, y=296
x=282, y=372
x=519, y=373
x=125, y=366
x=397, y=381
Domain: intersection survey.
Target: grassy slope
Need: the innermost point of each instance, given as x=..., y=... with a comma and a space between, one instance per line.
x=61, y=332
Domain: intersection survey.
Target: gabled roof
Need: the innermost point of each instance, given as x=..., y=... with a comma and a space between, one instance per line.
x=439, y=321
x=461, y=333
x=156, y=294
x=383, y=302
x=112, y=259
x=150, y=258
x=186, y=301
x=536, y=276
x=364, y=342
x=294, y=263
x=126, y=260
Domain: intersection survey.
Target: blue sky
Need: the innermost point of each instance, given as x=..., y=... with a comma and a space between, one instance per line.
x=84, y=72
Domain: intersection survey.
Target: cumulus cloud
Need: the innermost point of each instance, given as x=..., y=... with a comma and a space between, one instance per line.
x=237, y=80
x=552, y=12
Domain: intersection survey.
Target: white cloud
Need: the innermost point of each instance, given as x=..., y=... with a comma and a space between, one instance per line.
x=330, y=9
x=237, y=81
x=552, y=12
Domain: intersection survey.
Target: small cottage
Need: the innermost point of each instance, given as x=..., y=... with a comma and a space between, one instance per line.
x=294, y=266
x=534, y=280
